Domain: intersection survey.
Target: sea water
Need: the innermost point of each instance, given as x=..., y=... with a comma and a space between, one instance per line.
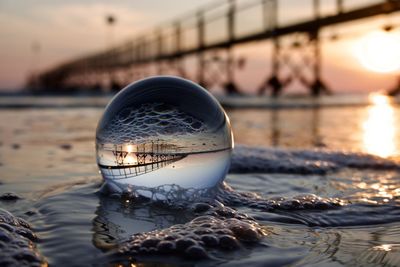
x=59, y=191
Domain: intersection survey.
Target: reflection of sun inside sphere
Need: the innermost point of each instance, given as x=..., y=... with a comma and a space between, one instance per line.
x=164, y=138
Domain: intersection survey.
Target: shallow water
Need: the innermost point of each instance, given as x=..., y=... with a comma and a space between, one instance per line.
x=47, y=158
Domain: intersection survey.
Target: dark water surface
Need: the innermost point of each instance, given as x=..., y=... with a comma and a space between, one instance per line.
x=47, y=157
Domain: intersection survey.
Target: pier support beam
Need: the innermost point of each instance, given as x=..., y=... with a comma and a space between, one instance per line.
x=301, y=59
x=230, y=85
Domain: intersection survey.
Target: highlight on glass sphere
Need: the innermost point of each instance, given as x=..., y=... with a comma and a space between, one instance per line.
x=164, y=138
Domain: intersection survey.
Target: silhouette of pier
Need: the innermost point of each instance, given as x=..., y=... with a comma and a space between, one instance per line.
x=167, y=47
x=133, y=160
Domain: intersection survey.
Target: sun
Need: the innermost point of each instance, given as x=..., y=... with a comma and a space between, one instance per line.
x=379, y=51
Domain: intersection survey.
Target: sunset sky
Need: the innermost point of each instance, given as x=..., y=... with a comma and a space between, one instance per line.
x=59, y=30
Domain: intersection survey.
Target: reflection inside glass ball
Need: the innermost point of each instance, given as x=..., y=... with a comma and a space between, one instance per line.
x=164, y=138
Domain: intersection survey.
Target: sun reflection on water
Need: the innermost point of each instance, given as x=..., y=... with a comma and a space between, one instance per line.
x=379, y=128
x=384, y=247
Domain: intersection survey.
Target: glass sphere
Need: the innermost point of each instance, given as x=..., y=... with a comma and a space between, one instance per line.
x=164, y=138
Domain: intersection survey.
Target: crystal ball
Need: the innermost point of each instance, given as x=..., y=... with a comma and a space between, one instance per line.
x=164, y=138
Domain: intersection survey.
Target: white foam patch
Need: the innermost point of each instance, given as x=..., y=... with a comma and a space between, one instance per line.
x=246, y=159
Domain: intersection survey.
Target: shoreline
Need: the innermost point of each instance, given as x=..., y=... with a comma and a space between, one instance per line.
x=229, y=102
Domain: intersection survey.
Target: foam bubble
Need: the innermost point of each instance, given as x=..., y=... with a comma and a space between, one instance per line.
x=132, y=124
x=217, y=229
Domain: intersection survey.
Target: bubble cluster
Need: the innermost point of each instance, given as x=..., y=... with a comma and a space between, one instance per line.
x=151, y=121
x=170, y=194
x=217, y=228
x=231, y=197
x=16, y=242
x=214, y=227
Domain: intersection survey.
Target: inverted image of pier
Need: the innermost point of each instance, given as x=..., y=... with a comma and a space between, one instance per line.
x=134, y=160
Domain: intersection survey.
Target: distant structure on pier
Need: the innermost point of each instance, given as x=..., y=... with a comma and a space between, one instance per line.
x=167, y=49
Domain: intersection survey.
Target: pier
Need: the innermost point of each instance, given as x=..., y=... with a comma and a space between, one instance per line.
x=165, y=50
